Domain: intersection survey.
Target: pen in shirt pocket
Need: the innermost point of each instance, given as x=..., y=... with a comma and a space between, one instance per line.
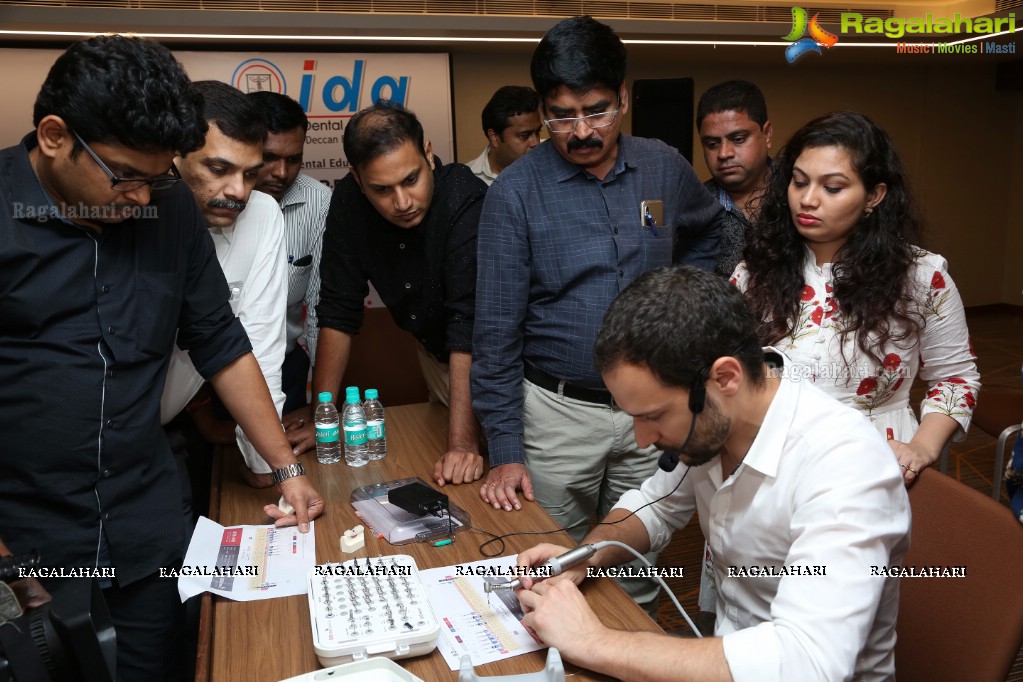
x=301, y=262
x=651, y=214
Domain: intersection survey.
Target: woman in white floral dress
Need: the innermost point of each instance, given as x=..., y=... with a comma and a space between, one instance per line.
x=833, y=270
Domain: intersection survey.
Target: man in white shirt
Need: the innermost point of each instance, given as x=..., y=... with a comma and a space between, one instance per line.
x=798, y=496
x=304, y=201
x=511, y=122
x=248, y=232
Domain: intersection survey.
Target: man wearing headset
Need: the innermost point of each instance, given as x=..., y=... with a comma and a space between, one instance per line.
x=797, y=495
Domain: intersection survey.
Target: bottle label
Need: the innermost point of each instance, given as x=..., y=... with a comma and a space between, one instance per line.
x=327, y=433
x=375, y=430
x=355, y=434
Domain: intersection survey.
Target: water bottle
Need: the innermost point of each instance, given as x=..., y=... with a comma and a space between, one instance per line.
x=328, y=441
x=353, y=420
x=376, y=430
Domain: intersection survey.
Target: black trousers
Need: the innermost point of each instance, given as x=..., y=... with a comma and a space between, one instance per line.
x=148, y=617
x=294, y=378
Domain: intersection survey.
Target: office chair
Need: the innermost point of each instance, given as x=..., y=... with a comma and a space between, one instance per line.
x=967, y=628
x=999, y=413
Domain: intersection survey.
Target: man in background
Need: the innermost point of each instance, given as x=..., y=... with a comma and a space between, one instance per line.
x=410, y=229
x=248, y=234
x=736, y=136
x=304, y=201
x=565, y=229
x=511, y=122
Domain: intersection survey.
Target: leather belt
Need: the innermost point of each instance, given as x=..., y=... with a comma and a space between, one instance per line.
x=599, y=396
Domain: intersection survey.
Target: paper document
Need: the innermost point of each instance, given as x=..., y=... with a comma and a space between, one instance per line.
x=487, y=630
x=247, y=562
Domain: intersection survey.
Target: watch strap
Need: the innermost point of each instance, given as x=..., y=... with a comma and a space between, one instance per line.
x=284, y=473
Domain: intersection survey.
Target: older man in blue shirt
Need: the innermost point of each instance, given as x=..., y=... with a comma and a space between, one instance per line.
x=563, y=231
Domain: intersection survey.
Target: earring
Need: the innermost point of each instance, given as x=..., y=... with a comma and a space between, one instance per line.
x=867, y=211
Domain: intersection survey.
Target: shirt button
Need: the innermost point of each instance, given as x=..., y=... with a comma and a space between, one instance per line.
x=408, y=285
x=412, y=317
x=616, y=230
x=110, y=330
x=106, y=473
x=104, y=288
x=106, y=517
x=621, y=273
x=110, y=423
x=401, y=245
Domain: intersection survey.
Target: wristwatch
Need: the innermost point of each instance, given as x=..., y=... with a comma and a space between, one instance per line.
x=284, y=473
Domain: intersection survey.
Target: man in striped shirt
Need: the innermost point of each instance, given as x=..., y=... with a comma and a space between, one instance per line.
x=304, y=201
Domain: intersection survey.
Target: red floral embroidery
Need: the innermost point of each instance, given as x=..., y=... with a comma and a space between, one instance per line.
x=818, y=315
x=937, y=281
x=827, y=288
x=808, y=293
x=866, y=386
x=891, y=362
x=970, y=401
x=955, y=380
x=734, y=281
x=933, y=393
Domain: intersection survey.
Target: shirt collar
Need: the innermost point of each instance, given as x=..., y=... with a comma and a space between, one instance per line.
x=295, y=194
x=768, y=447
x=26, y=188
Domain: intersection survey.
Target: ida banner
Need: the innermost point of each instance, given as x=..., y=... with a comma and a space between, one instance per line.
x=331, y=87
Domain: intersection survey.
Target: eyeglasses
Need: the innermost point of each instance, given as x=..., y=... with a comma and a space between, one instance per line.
x=128, y=184
x=562, y=126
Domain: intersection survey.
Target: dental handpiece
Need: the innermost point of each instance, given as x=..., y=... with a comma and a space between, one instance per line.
x=554, y=566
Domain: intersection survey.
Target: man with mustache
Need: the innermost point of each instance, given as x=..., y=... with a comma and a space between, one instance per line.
x=798, y=495
x=563, y=231
x=248, y=232
x=736, y=136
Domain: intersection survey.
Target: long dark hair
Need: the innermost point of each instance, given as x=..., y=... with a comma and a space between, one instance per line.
x=870, y=271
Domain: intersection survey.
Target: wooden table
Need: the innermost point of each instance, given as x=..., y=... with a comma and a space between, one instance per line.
x=270, y=640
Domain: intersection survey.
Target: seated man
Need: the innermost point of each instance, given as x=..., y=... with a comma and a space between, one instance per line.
x=798, y=496
x=511, y=122
x=410, y=229
x=248, y=232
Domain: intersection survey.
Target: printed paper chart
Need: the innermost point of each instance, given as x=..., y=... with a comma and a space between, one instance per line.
x=486, y=630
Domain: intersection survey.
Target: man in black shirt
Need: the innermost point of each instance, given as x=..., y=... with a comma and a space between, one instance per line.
x=103, y=257
x=410, y=229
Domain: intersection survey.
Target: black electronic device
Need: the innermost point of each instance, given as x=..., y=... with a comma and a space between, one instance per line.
x=419, y=499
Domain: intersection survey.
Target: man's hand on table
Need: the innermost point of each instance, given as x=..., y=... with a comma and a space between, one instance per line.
x=300, y=429
x=502, y=482
x=301, y=495
x=458, y=466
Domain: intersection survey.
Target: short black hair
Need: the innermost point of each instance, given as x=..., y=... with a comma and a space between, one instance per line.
x=379, y=130
x=280, y=112
x=508, y=101
x=236, y=115
x=123, y=90
x=737, y=95
x=677, y=321
x=580, y=53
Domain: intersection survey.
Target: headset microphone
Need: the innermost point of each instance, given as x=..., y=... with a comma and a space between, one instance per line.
x=697, y=398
